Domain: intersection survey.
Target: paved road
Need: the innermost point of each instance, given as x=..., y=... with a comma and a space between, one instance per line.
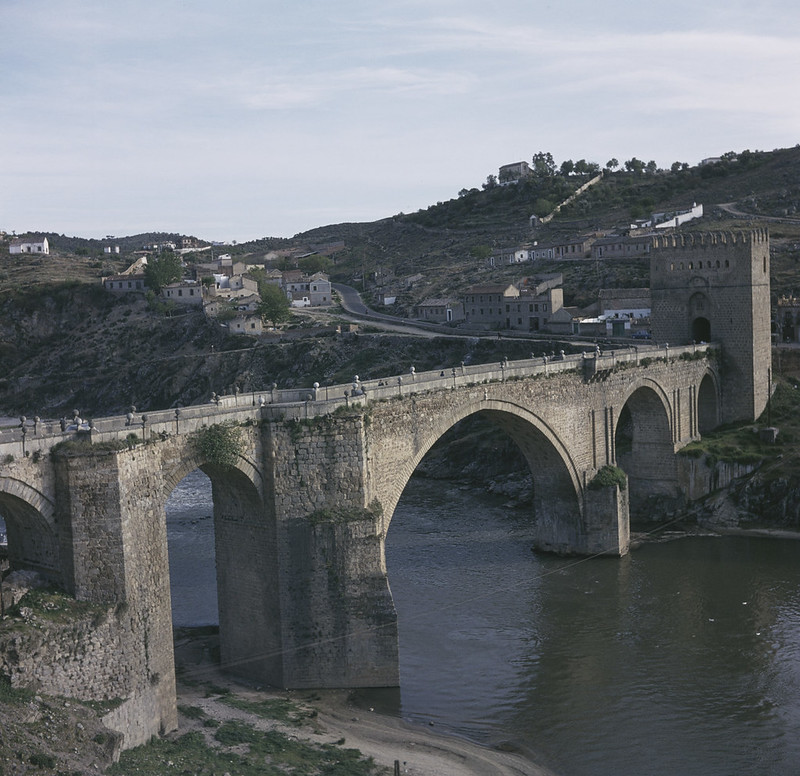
x=351, y=299
x=730, y=207
x=354, y=305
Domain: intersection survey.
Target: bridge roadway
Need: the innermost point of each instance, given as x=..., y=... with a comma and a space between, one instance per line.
x=33, y=435
x=301, y=518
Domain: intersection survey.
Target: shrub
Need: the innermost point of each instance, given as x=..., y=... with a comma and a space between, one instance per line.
x=608, y=476
x=220, y=444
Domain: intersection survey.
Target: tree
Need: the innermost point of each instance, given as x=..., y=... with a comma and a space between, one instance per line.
x=274, y=305
x=567, y=167
x=543, y=165
x=612, y=163
x=315, y=263
x=491, y=182
x=634, y=165
x=651, y=167
x=162, y=270
x=480, y=252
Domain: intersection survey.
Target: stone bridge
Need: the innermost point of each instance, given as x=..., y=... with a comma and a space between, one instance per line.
x=302, y=509
x=305, y=483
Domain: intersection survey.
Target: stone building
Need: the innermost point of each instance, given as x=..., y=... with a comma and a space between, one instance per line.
x=714, y=287
x=526, y=306
x=126, y=283
x=440, y=311
x=484, y=303
x=616, y=246
x=184, y=292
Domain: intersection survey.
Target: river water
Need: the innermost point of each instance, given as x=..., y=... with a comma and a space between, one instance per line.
x=682, y=658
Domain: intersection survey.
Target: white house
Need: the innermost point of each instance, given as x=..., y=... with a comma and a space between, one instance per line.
x=29, y=245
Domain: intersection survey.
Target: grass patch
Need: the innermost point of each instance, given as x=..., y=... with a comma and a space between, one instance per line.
x=741, y=443
x=278, y=709
x=242, y=750
x=11, y=696
x=55, y=606
x=191, y=712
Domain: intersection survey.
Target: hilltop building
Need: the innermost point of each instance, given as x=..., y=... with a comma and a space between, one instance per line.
x=29, y=245
x=511, y=173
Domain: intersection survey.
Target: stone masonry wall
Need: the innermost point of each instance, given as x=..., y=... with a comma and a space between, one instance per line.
x=110, y=507
x=81, y=659
x=338, y=617
x=723, y=278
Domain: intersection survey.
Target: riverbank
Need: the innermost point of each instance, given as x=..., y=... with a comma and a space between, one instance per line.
x=330, y=718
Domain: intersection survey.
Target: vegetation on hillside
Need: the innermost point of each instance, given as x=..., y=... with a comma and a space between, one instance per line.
x=65, y=343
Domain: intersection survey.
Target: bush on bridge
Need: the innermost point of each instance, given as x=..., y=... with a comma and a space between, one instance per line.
x=608, y=476
x=220, y=444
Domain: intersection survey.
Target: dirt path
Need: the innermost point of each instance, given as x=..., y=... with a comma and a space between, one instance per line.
x=333, y=718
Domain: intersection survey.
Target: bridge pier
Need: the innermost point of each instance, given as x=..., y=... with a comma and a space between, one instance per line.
x=602, y=529
x=606, y=514
x=114, y=550
x=339, y=624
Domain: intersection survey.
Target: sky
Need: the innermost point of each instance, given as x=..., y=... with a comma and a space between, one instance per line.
x=244, y=119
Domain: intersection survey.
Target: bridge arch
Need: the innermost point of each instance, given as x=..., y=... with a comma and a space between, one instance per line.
x=31, y=530
x=708, y=403
x=191, y=461
x=246, y=559
x=644, y=446
x=558, y=493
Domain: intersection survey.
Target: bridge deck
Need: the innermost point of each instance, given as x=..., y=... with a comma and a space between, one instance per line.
x=30, y=435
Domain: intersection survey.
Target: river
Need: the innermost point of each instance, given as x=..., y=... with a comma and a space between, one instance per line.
x=682, y=658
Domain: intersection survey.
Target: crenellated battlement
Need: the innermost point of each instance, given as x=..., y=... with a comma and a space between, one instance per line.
x=714, y=240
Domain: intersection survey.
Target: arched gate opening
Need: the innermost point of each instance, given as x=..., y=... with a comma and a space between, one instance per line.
x=644, y=450
x=223, y=569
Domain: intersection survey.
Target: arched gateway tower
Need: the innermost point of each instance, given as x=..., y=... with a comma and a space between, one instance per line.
x=714, y=287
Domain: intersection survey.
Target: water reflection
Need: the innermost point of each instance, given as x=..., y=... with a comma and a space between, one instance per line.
x=681, y=658
x=192, y=567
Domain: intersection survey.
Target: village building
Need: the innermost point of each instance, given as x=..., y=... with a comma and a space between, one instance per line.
x=184, y=292
x=577, y=248
x=29, y=245
x=670, y=219
x=562, y=321
x=304, y=291
x=511, y=173
x=223, y=265
x=787, y=319
x=510, y=256
x=125, y=283
x=132, y=280
x=539, y=298
x=616, y=246
x=483, y=304
x=440, y=311
x=246, y=324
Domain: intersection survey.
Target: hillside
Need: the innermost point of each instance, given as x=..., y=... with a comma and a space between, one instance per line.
x=65, y=344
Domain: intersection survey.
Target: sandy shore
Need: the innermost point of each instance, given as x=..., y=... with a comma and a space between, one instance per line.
x=419, y=751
